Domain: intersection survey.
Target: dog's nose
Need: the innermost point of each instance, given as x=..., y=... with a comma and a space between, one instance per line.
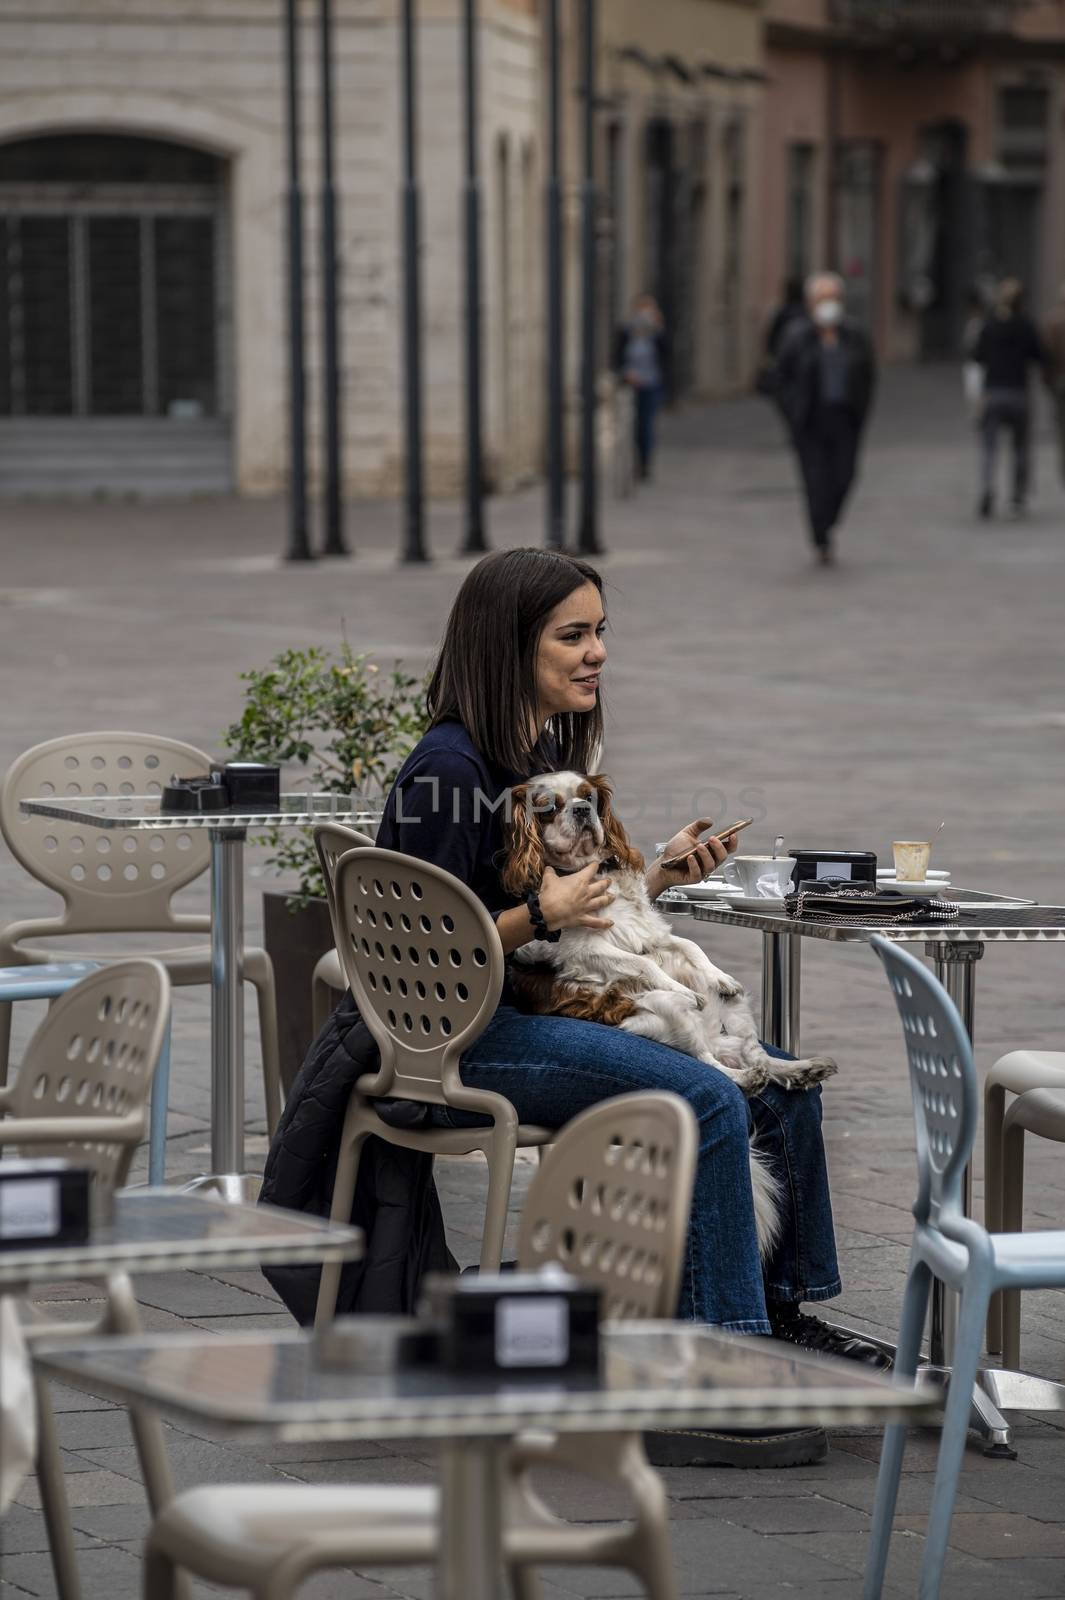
x=582, y=808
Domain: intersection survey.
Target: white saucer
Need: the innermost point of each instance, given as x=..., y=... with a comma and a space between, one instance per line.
x=926, y=889
x=710, y=889
x=933, y=875
x=751, y=902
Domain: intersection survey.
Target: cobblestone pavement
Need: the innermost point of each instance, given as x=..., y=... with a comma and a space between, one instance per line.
x=921, y=679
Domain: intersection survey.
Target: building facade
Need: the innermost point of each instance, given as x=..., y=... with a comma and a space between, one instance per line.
x=918, y=147
x=143, y=193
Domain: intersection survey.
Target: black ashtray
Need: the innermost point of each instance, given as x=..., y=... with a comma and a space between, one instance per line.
x=194, y=795
x=853, y=868
x=252, y=785
x=43, y=1202
x=528, y=1324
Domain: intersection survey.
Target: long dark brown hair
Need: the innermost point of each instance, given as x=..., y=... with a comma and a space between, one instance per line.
x=485, y=675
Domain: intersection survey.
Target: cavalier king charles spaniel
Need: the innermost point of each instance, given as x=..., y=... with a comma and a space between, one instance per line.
x=636, y=974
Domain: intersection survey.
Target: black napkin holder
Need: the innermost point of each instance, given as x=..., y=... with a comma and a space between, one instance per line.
x=527, y=1324
x=194, y=796
x=252, y=785
x=44, y=1202
x=856, y=867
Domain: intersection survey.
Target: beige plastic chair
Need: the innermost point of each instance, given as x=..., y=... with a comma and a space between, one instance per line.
x=81, y=1093
x=424, y=962
x=1037, y=1079
x=82, y=1089
x=117, y=881
x=611, y=1203
x=331, y=840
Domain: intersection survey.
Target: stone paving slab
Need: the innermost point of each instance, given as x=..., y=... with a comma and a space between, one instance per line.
x=922, y=678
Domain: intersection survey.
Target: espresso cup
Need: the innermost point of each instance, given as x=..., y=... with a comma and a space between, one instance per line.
x=759, y=877
x=911, y=859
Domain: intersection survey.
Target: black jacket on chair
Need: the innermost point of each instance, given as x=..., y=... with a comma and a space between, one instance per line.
x=798, y=372
x=395, y=1200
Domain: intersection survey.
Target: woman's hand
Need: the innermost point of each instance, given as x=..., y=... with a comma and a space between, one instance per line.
x=706, y=856
x=577, y=899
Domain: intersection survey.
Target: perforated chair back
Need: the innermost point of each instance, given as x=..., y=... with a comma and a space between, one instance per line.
x=116, y=879
x=91, y=1061
x=611, y=1202
x=946, y=1095
x=425, y=965
x=333, y=840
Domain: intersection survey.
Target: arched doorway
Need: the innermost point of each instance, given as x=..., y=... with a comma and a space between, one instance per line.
x=114, y=315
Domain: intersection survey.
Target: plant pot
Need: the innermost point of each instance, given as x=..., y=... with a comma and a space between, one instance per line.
x=296, y=937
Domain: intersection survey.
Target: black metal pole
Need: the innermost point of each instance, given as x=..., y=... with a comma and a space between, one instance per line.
x=299, y=548
x=414, y=543
x=334, y=516
x=588, y=530
x=474, y=542
x=554, y=530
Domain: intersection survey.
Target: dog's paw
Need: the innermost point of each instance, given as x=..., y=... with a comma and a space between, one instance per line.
x=751, y=1079
x=727, y=987
x=804, y=1074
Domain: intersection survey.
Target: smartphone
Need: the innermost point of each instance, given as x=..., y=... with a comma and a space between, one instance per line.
x=721, y=833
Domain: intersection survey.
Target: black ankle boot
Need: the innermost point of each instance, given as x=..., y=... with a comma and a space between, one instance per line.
x=791, y=1325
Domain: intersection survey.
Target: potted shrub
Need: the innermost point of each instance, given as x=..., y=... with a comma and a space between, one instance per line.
x=341, y=725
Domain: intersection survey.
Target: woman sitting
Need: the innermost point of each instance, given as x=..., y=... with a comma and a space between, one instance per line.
x=516, y=691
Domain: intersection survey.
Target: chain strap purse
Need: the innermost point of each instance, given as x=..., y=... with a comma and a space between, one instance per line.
x=852, y=907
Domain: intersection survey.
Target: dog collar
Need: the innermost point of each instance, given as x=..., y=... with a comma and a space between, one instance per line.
x=611, y=864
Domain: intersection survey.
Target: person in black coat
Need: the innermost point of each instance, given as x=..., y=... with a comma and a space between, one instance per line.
x=826, y=375
x=1007, y=348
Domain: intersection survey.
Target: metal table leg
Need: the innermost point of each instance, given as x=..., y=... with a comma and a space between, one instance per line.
x=781, y=990
x=471, y=1548
x=227, y=1175
x=956, y=970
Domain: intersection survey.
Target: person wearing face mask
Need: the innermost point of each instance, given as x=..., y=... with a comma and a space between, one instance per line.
x=640, y=360
x=827, y=374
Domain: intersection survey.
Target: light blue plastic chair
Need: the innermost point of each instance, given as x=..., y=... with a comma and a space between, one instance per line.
x=946, y=1245
x=53, y=978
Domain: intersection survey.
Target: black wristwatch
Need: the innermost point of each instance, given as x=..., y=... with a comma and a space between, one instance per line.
x=536, y=917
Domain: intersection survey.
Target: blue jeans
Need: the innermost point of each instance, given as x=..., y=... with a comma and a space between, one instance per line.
x=550, y=1068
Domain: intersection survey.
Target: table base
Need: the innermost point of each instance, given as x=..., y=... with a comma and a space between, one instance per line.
x=233, y=1186
x=1021, y=1391
x=997, y=1389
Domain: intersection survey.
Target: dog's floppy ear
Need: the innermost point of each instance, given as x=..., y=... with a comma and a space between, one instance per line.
x=614, y=835
x=523, y=868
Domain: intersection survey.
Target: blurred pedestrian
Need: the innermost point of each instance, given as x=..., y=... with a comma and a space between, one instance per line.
x=1007, y=347
x=827, y=374
x=972, y=373
x=1054, y=340
x=791, y=308
x=640, y=359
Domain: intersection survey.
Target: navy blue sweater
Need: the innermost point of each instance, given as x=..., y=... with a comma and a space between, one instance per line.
x=447, y=806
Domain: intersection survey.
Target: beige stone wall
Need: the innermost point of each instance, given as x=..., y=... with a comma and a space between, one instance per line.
x=726, y=35
x=210, y=73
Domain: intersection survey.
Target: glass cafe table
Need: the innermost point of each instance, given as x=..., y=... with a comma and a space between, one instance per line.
x=654, y=1375
x=228, y=831
x=955, y=948
x=151, y=1230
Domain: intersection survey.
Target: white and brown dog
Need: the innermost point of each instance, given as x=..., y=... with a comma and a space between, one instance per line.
x=636, y=974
